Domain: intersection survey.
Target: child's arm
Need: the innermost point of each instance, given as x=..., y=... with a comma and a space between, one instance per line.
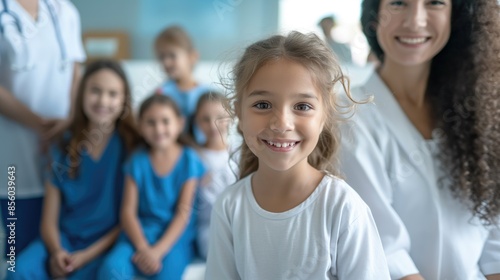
x=221, y=263
x=128, y=215
x=82, y=257
x=181, y=218
x=59, y=257
x=50, y=219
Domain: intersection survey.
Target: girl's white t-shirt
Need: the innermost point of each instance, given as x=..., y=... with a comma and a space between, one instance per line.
x=331, y=235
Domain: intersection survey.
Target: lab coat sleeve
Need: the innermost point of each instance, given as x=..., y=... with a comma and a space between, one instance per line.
x=359, y=250
x=221, y=264
x=363, y=165
x=490, y=257
x=75, y=49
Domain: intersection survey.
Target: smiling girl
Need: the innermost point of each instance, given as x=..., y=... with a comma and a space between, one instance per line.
x=289, y=217
x=83, y=194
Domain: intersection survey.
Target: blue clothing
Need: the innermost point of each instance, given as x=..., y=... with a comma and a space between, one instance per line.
x=28, y=214
x=187, y=101
x=117, y=264
x=90, y=203
x=89, y=207
x=157, y=202
x=33, y=263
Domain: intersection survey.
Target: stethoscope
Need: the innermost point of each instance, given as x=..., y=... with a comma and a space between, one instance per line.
x=28, y=65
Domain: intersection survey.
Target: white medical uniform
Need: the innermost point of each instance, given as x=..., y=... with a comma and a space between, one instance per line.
x=423, y=228
x=45, y=88
x=330, y=235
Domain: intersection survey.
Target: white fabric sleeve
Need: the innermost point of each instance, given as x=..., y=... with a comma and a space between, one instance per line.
x=221, y=264
x=363, y=165
x=360, y=254
x=74, y=45
x=490, y=257
x=205, y=205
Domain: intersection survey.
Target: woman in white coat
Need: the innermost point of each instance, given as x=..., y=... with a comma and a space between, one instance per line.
x=425, y=155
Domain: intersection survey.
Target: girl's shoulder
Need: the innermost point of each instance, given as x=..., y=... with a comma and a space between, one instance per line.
x=57, y=148
x=190, y=153
x=337, y=192
x=232, y=196
x=139, y=155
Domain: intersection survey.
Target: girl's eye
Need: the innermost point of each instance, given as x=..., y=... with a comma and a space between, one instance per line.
x=303, y=107
x=95, y=90
x=165, y=121
x=262, y=105
x=397, y=3
x=113, y=93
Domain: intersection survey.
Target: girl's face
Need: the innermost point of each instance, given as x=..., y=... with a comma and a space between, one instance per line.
x=212, y=119
x=177, y=61
x=281, y=115
x=103, y=97
x=413, y=32
x=160, y=126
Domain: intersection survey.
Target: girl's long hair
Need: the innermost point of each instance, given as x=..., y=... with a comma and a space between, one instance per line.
x=79, y=127
x=312, y=53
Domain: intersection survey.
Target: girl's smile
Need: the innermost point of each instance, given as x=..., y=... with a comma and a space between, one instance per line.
x=281, y=115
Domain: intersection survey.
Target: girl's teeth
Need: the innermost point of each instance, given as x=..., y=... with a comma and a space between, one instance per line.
x=281, y=145
x=412, y=40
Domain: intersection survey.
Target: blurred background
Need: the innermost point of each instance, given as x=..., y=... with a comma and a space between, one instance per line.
x=220, y=29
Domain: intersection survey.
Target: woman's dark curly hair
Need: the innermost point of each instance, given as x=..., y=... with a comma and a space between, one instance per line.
x=464, y=86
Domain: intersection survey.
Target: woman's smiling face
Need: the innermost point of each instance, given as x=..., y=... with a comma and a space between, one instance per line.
x=413, y=32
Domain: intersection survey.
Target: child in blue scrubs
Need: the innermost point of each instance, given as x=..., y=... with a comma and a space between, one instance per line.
x=157, y=209
x=175, y=51
x=83, y=195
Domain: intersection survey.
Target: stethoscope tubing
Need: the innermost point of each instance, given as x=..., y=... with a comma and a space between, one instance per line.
x=17, y=22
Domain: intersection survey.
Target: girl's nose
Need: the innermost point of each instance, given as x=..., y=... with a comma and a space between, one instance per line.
x=281, y=121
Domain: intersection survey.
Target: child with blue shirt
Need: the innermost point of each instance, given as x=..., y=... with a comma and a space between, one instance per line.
x=160, y=188
x=175, y=51
x=83, y=195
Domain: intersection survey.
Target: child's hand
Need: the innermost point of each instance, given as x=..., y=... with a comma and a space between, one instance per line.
x=148, y=260
x=78, y=259
x=59, y=264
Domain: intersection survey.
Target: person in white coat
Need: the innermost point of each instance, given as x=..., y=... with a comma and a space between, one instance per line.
x=40, y=52
x=425, y=155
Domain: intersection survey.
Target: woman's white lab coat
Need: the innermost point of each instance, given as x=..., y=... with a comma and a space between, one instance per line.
x=423, y=228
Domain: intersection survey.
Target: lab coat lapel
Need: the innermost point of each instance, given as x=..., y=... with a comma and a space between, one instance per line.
x=407, y=136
